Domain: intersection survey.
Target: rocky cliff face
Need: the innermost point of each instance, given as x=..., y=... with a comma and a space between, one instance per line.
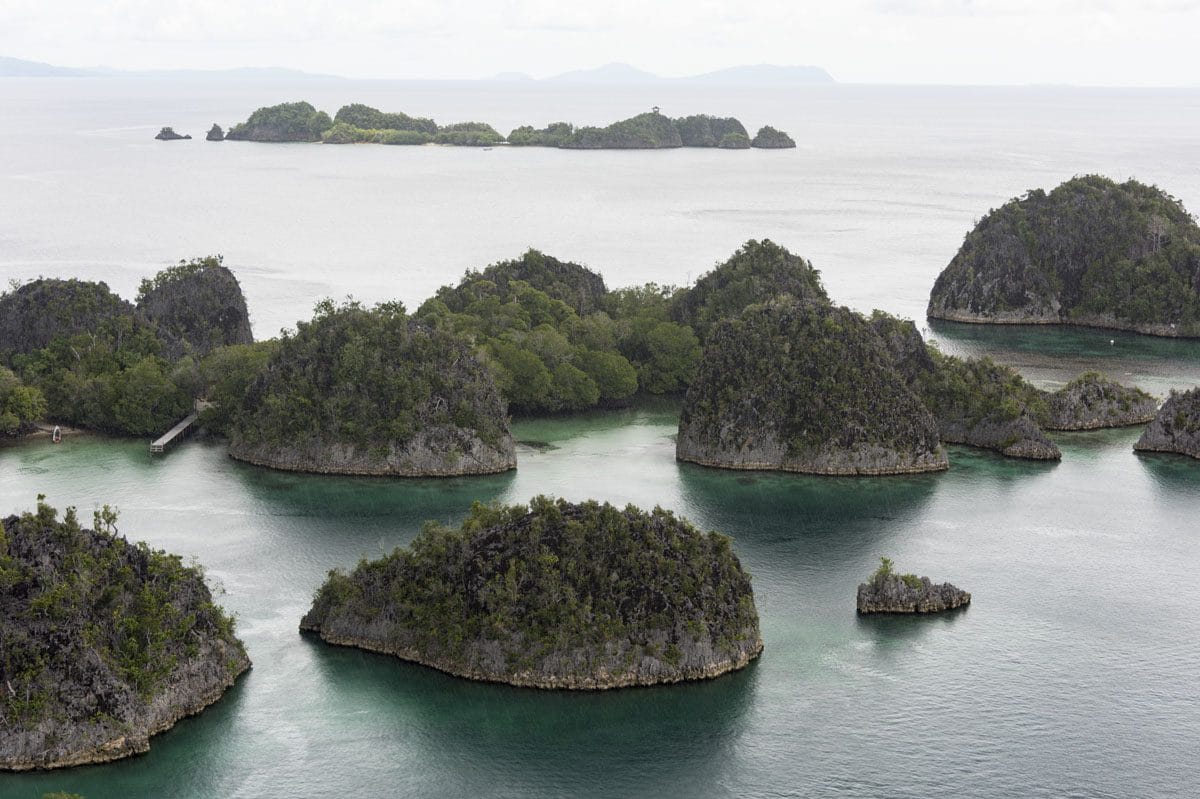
x=198, y=305
x=215, y=133
x=802, y=386
x=894, y=593
x=557, y=595
x=360, y=391
x=36, y=313
x=1176, y=428
x=105, y=644
x=1092, y=401
x=1081, y=255
x=707, y=131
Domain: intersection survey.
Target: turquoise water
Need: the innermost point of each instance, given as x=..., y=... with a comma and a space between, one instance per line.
x=1072, y=673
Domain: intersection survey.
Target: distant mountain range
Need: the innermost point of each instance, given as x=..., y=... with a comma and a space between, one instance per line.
x=756, y=74
x=609, y=74
x=19, y=68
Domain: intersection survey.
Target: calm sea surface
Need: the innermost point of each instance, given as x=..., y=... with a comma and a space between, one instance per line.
x=1073, y=673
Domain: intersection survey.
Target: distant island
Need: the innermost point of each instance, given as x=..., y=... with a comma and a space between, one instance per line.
x=106, y=643
x=581, y=596
x=1091, y=252
x=361, y=124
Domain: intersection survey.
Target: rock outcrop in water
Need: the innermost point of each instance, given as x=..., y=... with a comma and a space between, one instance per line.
x=1093, y=401
x=1176, y=428
x=702, y=130
x=768, y=138
x=888, y=592
x=371, y=391
x=199, y=303
x=801, y=386
x=169, y=134
x=976, y=402
x=556, y=595
x=102, y=644
x=215, y=133
x=1091, y=252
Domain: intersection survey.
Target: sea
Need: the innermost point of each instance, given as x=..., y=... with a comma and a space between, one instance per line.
x=1075, y=671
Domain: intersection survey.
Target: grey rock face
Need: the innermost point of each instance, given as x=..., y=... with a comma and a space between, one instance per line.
x=436, y=451
x=215, y=133
x=1093, y=402
x=1018, y=438
x=892, y=594
x=1176, y=428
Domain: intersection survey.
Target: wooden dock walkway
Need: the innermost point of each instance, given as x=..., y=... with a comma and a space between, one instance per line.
x=161, y=443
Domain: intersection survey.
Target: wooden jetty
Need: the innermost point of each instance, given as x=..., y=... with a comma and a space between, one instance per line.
x=168, y=438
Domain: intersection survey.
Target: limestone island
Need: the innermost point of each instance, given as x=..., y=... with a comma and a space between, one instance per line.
x=768, y=138
x=197, y=305
x=803, y=386
x=104, y=643
x=215, y=133
x=1176, y=428
x=169, y=134
x=554, y=595
x=889, y=592
x=372, y=392
x=1091, y=252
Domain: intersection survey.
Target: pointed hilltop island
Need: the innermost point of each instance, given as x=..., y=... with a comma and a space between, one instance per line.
x=1091, y=252
x=889, y=592
x=579, y=596
x=1176, y=428
x=105, y=644
x=371, y=391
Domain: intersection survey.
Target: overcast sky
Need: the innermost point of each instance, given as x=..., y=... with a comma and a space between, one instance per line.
x=1090, y=42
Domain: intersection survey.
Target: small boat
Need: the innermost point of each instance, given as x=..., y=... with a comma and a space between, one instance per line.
x=56, y=436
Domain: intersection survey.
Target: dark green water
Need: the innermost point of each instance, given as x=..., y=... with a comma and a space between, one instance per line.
x=1073, y=673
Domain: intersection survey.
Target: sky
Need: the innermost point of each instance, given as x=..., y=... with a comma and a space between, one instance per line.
x=1083, y=42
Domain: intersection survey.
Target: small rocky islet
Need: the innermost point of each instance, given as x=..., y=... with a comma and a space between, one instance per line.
x=105, y=643
x=890, y=592
x=556, y=595
x=1091, y=252
x=1176, y=427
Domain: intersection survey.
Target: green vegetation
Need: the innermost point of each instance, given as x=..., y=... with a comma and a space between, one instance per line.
x=357, y=115
x=768, y=138
x=92, y=627
x=885, y=572
x=286, y=122
x=20, y=405
x=557, y=340
x=734, y=141
x=104, y=368
x=371, y=379
x=978, y=390
x=554, y=135
x=561, y=591
x=468, y=134
x=757, y=272
x=1090, y=252
x=651, y=130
